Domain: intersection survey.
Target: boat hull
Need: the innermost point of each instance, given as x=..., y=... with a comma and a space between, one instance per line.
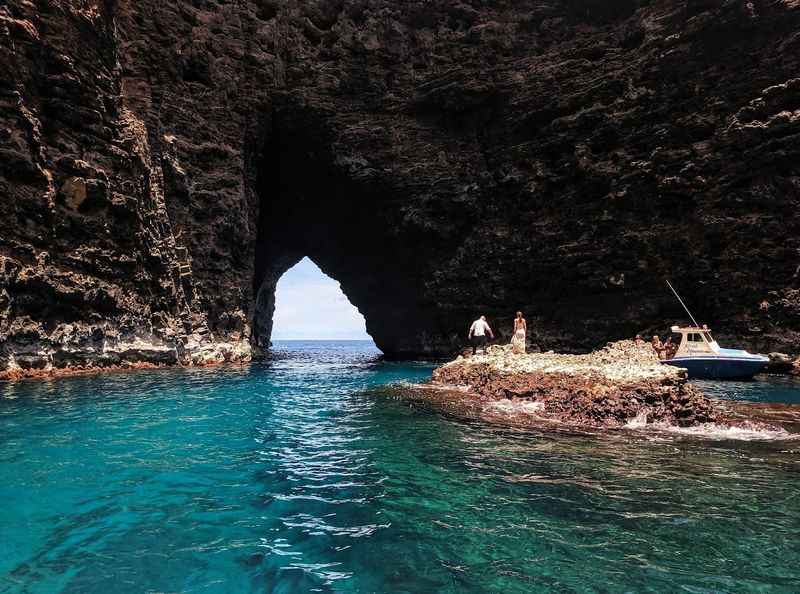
x=719, y=367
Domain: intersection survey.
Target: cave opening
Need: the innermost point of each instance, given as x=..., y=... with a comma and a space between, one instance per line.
x=310, y=305
x=315, y=203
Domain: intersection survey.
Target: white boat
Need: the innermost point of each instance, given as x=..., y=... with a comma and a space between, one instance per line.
x=703, y=358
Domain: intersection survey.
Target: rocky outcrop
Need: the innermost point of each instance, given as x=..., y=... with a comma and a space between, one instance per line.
x=617, y=385
x=163, y=163
x=781, y=363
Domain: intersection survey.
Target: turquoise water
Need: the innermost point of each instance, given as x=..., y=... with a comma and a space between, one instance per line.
x=305, y=473
x=780, y=389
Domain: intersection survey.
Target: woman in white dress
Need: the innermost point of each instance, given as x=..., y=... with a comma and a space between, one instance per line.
x=520, y=330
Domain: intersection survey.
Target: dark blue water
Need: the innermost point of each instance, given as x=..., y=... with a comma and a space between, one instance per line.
x=305, y=473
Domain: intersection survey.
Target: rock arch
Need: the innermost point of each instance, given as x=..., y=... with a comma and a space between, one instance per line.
x=162, y=162
x=332, y=205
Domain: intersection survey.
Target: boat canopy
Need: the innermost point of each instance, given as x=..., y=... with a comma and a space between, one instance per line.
x=695, y=341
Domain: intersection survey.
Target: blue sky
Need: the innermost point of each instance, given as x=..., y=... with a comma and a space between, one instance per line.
x=310, y=305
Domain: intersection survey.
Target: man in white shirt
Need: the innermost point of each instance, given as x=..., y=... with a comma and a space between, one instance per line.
x=477, y=333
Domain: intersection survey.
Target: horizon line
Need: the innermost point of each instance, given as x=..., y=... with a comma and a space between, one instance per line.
x=326, y=339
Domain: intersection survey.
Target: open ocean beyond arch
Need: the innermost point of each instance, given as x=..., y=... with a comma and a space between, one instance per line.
x=310, y=472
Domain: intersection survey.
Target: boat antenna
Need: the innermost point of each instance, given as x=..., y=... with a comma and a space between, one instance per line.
x=683, y=304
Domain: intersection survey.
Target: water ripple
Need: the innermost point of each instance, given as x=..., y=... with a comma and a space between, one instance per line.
x=307, y=473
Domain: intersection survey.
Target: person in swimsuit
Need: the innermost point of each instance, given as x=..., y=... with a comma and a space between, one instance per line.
x=520, y=331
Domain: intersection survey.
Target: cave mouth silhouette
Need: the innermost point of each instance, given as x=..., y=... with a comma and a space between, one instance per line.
x=309, y=305
x=314, y=202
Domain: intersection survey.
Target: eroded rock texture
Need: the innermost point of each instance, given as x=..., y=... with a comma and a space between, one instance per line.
x=617, y=385
x=163, y=163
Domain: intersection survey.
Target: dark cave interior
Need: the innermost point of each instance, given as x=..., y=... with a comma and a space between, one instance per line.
x=311, y=205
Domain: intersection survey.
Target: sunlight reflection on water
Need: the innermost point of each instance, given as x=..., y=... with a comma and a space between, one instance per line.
x=313, y=471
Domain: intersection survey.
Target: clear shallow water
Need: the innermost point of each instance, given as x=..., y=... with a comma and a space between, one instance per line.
x=778, y=389
x=304, y=473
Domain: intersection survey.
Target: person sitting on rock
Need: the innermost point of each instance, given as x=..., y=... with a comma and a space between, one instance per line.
x=477, y=333
x=657, y=346
x=638, y=340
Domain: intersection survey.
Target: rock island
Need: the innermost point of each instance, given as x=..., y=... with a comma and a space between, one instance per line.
x=611, y=387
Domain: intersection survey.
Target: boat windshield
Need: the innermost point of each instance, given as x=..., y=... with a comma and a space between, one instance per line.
x=699, y=337
x=694, y=342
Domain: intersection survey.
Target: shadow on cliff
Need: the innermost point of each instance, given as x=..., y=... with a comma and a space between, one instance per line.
x=316, y=200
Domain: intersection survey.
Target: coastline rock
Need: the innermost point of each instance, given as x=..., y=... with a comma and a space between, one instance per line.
x=35, y=361
x=781, y=363
x=617, y=385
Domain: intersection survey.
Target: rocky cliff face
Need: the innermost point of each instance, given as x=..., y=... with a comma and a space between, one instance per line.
x=163, y=163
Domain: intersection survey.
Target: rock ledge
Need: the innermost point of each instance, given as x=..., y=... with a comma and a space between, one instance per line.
x=611, y=387
x=48, y=360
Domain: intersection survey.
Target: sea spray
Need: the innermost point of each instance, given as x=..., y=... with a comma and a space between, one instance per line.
x=638, y=421
x=513, y=407
x=742, y=432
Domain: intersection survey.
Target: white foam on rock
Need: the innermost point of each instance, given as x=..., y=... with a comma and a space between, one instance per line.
x=638, y=422
x=722, y=432
x=512, y=407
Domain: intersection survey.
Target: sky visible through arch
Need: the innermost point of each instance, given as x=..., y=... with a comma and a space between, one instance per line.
x=311, y=306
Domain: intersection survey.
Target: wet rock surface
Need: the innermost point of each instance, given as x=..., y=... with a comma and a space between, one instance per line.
x=620, y=384
x=163, y=163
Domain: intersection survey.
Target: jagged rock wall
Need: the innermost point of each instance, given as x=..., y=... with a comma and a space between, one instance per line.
x=162, y=164
x=94, y=272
